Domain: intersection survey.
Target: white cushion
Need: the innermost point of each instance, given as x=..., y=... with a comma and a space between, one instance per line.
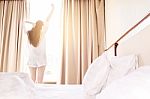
x=121, y=66
x=96, y=75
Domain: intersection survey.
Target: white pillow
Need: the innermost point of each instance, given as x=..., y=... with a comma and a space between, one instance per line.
x=96, y=75
x=121, y=66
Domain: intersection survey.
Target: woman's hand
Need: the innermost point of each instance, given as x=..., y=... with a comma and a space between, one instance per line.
x=50, y=14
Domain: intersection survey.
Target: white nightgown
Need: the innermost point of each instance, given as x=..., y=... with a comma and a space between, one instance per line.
x=37, y=55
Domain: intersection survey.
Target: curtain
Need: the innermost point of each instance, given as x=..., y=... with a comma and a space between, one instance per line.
x=82, y=38
x=12, y=14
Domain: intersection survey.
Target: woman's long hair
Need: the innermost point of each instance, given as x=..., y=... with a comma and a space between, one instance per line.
x=35, y=33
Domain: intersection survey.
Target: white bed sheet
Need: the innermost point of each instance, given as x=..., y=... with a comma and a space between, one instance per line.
x=20, y=86
x=133, y=86
x=50, y=91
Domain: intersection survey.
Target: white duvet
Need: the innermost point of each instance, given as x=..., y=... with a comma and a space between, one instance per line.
x=19, y=86
x=12, y=87
x=136, y=85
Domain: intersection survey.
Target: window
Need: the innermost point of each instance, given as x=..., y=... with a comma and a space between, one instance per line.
x=39, y=9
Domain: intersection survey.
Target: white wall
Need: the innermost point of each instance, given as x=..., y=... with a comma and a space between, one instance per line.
x=139, y=45
x=121, y=15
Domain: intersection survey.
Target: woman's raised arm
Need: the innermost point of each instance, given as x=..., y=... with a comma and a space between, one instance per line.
x=50, y=14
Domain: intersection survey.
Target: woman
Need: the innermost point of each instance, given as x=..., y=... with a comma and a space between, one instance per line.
x=37, y=49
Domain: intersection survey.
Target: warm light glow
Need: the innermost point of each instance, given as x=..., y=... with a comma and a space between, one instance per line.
x=39, y=9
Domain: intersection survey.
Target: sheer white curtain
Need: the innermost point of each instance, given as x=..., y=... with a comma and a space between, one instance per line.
x=12, y=15
x=82, y=38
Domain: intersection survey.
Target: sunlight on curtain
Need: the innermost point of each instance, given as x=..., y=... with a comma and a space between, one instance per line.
x=39, y=9
x=82, y=38
x=12, y=14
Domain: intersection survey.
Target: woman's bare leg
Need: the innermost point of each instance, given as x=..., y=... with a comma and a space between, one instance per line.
x=40, y=74
x=33, y=73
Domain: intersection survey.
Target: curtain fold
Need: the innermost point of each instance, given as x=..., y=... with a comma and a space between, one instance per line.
x=12, y=15
x=82, y=38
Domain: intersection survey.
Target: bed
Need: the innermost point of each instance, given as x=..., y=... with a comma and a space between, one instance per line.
x=98, y=76
x=136, y=84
